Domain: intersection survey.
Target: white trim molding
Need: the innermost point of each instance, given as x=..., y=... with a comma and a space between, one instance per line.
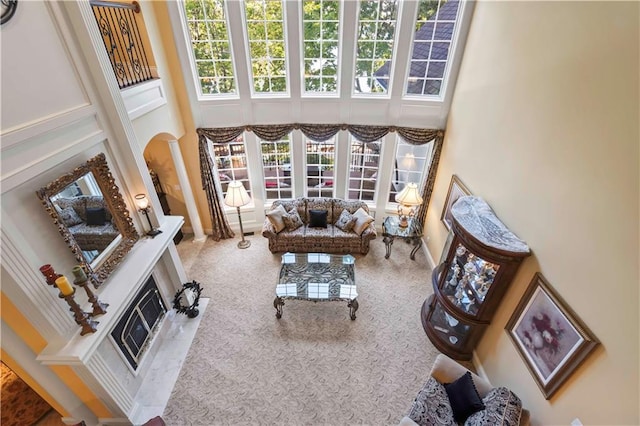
x=144, y=98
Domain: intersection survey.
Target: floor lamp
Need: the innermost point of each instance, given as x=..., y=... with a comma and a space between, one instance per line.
x=237, y=197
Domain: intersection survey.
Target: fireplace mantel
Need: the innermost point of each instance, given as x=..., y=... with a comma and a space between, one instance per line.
x=117, y=291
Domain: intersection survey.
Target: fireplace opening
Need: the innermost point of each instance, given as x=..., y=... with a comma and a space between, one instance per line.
x=137, y=326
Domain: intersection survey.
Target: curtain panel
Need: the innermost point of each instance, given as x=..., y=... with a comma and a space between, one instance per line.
x=219, y=224
x=317, y=133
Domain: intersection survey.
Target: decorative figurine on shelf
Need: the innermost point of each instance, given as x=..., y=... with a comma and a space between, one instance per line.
x=489, y=270
x=182, y=303
x=81, y=280
x=459, y=295
x=470, y=268
x=451, y=320
x=456, y=273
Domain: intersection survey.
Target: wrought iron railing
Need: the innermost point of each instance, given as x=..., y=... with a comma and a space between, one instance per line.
x=123, y=41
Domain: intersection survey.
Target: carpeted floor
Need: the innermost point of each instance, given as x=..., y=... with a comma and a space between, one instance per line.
x=314, y=366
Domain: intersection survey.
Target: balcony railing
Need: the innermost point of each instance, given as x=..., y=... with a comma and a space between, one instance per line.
x=123, y=41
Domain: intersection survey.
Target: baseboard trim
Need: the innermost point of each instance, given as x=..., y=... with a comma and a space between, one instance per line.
x=427, y=253
x=475, y=359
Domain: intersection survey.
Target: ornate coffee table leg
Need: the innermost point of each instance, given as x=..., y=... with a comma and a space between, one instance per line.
x=353, y=307
x=388, y=241
x=278, y=303
x=418, y=244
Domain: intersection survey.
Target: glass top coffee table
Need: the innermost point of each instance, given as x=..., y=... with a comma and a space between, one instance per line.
x=317, y=277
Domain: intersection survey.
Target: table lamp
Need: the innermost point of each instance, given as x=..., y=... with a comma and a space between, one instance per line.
x=408, y=199
x=237, y=197
x=143, y=206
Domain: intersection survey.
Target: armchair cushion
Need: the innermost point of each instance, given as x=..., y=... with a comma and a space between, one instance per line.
x=431, y=406
x=503, y=408
x=463, y=397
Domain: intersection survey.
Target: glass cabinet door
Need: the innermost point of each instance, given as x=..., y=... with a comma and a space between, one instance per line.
x=468, y=279
x=449, y=328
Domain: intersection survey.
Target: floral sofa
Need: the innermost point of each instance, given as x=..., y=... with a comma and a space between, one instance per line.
x=89, y=220
x=292, y=226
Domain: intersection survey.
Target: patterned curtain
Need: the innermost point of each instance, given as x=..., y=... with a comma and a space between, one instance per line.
x=368, y=133
x=319, y=132
x=271, y=133
x=219, y=224
x=427, y=186
x=221, y=134
x=417, y=136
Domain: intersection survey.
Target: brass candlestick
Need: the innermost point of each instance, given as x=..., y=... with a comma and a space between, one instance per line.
x=81, y=317
x=99, y=307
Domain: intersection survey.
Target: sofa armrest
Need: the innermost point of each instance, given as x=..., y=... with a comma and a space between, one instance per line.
x=370, y=232
x=446, y=370
x=407, y=421
x=268, y=230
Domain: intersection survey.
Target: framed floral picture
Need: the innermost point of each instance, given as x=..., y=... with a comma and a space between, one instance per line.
x=549, y=336
x=456, y=190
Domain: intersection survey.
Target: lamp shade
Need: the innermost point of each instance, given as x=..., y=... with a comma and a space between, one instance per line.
x=236, y=196
x=141, y=201
x=409, y=196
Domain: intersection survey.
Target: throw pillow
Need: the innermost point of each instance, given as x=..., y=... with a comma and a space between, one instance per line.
x=292, y=220
x=346, y=221
x=276, y=217
x=362, y=221
x=431, y=406
x=69, y=216
x=503, y=408
x=463, y=397
x=96, y=216
x=317, y=218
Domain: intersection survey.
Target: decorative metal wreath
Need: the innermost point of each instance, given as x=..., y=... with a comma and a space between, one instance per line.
x=8, y=10
x=191, y=310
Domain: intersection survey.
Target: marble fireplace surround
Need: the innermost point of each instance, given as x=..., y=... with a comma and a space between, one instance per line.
x=133, y=396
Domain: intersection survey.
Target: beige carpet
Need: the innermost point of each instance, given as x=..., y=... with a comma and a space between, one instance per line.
x=314, y=366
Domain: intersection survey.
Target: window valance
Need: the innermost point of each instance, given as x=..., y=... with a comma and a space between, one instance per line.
x=320, y=132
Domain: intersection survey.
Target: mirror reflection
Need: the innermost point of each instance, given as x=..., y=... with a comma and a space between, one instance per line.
x=92, y=217
x=83, y=210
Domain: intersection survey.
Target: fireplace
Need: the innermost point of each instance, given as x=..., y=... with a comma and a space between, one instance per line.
x=136, y=328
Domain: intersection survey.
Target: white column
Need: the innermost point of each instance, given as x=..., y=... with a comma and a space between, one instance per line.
x=190, y=202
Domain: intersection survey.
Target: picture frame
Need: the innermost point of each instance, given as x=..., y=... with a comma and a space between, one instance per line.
x=549, y=336
x=456, y=190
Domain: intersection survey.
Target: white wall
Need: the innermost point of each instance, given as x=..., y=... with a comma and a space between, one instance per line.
x=34, y=92
x=544, y=126
x=166, y=118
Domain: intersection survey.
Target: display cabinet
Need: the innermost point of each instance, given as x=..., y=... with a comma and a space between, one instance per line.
x=481, y=258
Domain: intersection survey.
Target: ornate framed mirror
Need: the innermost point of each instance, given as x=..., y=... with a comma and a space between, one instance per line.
x=92, y=217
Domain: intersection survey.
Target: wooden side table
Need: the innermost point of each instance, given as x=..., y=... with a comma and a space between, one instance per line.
x=412, y=234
